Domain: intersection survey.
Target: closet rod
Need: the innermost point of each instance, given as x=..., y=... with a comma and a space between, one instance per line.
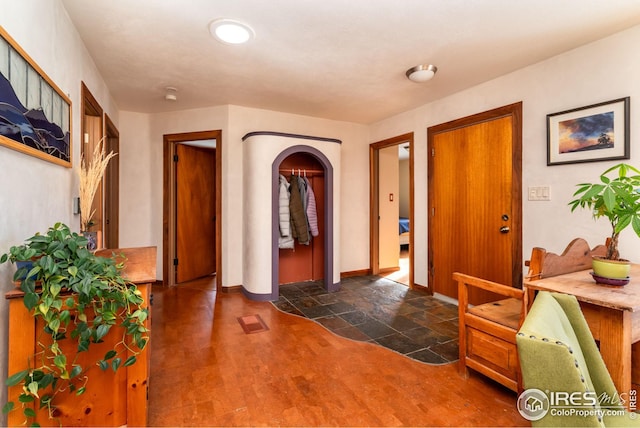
x=287, y=171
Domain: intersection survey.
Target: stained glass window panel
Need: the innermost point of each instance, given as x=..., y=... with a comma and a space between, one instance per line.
x=4, y=57
x=46, y=100
x=33, y=89
x=18, y=76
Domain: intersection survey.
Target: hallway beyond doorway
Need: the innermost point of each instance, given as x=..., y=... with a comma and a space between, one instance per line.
x=401, y=275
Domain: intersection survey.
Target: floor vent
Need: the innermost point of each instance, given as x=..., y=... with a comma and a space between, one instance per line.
x=252, y=324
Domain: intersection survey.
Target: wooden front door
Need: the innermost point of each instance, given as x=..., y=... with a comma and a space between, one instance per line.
x=475, y=200
x=195, y=212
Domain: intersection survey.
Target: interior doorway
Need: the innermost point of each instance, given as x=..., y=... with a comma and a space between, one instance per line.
x=92, y=136
x=112, y=186
x=192, y=222
x=391, y=200
x=323, y=263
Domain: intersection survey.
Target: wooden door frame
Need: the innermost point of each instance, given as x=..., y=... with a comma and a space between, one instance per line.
x=169, y=202
x=515, y=112
x=374, y=231
x=112, y=182
x=90, y=107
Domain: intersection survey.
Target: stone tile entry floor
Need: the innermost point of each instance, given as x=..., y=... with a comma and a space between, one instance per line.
x=379, y=311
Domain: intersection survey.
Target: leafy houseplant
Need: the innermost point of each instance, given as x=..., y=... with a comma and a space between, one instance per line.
x=616, y=197
x=80, y=298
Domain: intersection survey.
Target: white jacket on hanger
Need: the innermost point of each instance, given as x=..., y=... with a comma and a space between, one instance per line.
x=285, y=240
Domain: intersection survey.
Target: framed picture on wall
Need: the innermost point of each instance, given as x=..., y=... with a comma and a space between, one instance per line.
x=589, y=134
x=35, y=115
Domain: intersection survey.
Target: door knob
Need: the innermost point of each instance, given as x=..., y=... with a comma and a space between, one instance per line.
x=504, y=229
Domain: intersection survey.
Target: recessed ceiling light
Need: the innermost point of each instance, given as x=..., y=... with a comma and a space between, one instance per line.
x=231, y=31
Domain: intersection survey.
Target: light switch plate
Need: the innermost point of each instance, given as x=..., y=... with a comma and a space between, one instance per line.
x=539, y=193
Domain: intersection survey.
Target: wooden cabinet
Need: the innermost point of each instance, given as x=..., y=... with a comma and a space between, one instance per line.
x=111, y=398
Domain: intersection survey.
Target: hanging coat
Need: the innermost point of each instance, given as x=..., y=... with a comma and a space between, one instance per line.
x=302, y=186
x=285, y=240
x=300, y=228
x=312, y=213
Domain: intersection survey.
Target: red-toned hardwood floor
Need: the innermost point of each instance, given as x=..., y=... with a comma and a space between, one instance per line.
x=205, y=371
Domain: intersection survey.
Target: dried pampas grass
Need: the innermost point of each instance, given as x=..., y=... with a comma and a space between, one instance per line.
x=91, y=174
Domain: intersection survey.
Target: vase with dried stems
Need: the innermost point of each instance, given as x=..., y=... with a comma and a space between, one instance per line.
x=91, y=174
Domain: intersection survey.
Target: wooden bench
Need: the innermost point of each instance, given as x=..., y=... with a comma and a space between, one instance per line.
x=487, y=331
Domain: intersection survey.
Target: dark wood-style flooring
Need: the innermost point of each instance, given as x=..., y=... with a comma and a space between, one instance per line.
x=206, y=371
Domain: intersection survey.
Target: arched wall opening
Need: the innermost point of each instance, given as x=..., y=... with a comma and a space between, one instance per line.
x=327, y=207
x=261, y=259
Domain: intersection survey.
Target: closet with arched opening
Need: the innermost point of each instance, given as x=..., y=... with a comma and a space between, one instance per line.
x=267, y=155
x=305, y=261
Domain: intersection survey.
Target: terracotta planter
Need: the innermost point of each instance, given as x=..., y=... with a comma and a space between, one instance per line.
x=614, y=269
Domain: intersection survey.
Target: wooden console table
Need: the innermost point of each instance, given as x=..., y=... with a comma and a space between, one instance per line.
x=613, y=315
x=111, y=399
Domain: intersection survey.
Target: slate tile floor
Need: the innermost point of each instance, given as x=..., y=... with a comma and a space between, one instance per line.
x=380, y=311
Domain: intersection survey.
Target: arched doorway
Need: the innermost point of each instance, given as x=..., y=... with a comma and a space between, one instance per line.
x=263, y=153
x=327, y=215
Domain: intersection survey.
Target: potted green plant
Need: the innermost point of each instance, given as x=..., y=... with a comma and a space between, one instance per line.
x=80, y=299
x=616, y=197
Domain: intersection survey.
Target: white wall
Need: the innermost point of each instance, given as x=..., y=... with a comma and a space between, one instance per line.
x=35, y=193
x=141, y=168
x=388, y=210
x=138, y=218
x=601, y=71
x=354, y=192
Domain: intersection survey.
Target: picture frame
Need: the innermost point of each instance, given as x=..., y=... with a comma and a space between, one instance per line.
x=35, y=115
x=593, y=133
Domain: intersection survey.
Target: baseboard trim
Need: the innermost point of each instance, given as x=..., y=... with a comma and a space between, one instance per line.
x=258, y=297
x=446, y=299
x=361, y=272
x=389, y=270
x=423, y=288
x=232, y=289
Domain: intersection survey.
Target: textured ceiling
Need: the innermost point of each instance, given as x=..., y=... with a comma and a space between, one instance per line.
x=335, y=59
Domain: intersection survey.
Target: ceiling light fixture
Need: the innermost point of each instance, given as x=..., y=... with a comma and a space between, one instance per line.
x=421, y=73
x=171, y=94
x=231, y=31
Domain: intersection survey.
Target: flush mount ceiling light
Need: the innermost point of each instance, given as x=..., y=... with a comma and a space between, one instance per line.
x=421, y=73
x=231, y=31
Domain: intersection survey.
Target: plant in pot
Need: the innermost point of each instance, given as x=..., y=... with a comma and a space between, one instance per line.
x=80, y=300
x=617, y=198
x=90, y=174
